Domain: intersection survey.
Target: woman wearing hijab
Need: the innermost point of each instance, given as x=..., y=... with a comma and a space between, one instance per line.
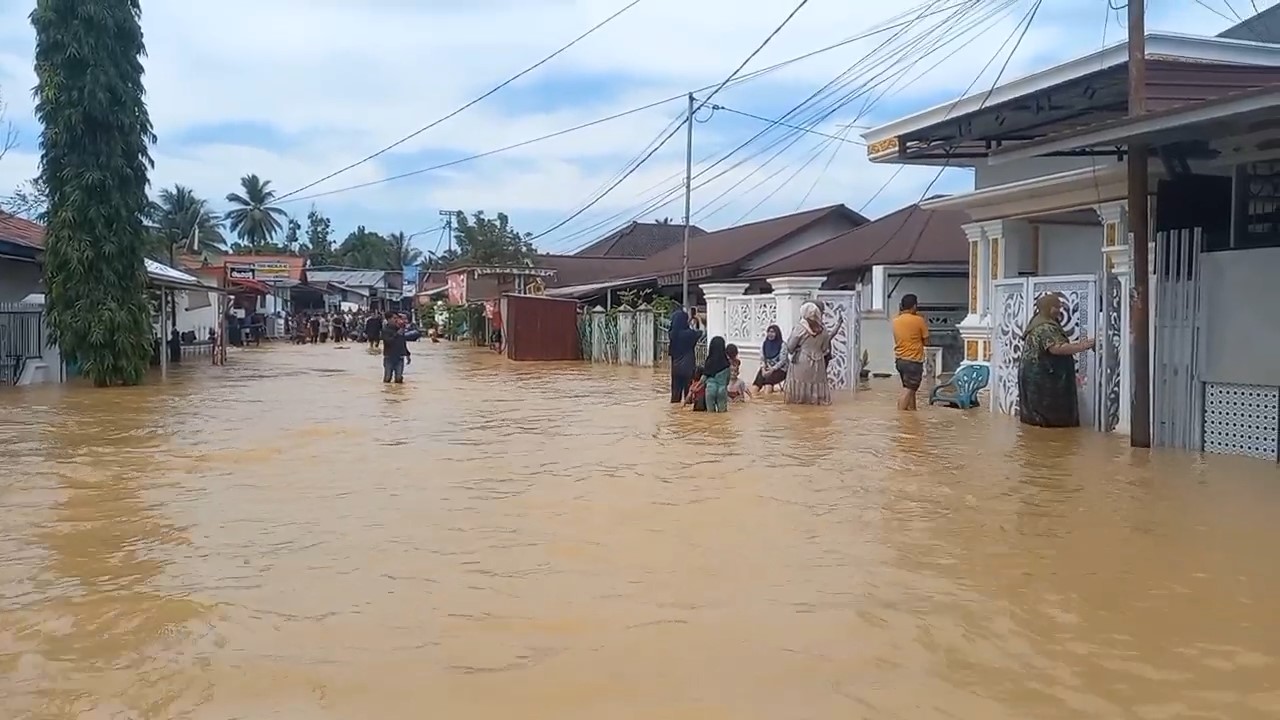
x=683, y=340
x=1047, y=369
x=773, y=361
x=716, y=374
x=810, y=344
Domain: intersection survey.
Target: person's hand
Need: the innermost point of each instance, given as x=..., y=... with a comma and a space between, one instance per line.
x=1088, y=343
x=408, y=359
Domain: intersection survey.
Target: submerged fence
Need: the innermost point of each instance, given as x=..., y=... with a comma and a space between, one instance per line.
x=626, y=336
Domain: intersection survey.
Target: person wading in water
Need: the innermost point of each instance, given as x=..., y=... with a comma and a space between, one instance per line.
x=395, y=350
x=682, y=342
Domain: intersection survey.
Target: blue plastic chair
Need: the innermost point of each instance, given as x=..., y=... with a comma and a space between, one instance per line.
x=961, y=391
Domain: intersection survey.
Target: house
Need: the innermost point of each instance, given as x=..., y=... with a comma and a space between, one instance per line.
x=640, y=240
x=722, y=255
x=367, y=288
x=912, y=250
x=1048, y=212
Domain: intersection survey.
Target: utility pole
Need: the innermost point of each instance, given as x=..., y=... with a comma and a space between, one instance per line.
x=1139, y=235
x=688, y=200
x=448, y=227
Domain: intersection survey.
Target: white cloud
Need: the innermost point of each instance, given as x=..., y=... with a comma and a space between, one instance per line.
x=334, y=80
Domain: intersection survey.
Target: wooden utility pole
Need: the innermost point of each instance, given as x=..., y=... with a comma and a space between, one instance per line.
x=688, y=202
x=1139, y=236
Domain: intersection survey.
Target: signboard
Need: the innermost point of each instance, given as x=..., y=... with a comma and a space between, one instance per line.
x=271, y=270
x=410, y=281
x=241, y=272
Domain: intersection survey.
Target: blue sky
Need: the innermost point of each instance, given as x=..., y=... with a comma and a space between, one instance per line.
x=295, y=89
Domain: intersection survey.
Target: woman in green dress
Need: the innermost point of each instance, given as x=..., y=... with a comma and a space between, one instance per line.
x=1047, y=369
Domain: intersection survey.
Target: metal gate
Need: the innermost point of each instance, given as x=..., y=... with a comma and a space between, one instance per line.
x=21, y=339
x=1014, y=304
x=1176, y=398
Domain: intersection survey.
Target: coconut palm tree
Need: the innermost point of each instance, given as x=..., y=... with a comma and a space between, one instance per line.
x=183, y=219
x=253, y=217
x=403, y=253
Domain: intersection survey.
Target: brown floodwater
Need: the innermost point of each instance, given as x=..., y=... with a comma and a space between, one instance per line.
x=288, y=538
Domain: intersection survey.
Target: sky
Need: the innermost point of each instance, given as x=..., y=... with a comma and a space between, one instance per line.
x=294, y=90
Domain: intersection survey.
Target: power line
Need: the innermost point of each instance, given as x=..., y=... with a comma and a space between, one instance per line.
x=756, y=74
x=689, y=119
x=779, y=123
x=495, y=89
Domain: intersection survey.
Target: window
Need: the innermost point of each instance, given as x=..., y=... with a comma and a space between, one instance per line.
x=1258, y=205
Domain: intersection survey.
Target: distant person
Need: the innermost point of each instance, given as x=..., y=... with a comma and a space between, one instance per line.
x=1047, y=392
x=910, y=333
x=395, y=350
x=313, y=328
x=373, y=330
x=682, y=341
x=339, y=328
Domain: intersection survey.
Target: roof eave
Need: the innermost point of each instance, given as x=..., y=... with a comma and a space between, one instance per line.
x=882, y=141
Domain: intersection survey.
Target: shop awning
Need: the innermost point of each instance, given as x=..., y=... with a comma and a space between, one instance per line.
x=254, y=286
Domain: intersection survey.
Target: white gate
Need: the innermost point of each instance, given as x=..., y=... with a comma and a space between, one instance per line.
x=843, y=307
x=1176, y=399
x=1014, y=306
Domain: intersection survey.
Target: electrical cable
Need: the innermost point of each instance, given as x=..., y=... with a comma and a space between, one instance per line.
x=495, y=89
x=756, y=74
x=666, y=139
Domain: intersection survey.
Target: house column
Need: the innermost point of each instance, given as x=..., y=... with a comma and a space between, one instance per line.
x=716, y=295
x=975, y=329
x=790, y=293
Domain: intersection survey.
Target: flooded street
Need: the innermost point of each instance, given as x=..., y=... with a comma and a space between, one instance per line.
x=289, y=538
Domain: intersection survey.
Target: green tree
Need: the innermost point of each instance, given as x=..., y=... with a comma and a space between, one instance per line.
x=254, y=218
x=183, y=221
x=319, y=239
x=490, y=241
x=292, y=236
x=94, y=162
x=365, y=249
x=402, y=251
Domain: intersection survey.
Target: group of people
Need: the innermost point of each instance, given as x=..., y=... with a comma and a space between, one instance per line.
x=1047, y=389
x=321, y=326
x=798, y=365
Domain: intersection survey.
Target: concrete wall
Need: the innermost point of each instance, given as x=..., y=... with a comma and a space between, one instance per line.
x=819, y=232
x=877, y=332
x=18, y=280
x=985, y=176
x=1070, y=249
x=1239, y=340
x=197, y=312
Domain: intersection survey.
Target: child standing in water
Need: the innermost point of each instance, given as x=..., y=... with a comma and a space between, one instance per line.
x=737, y=386
x=697, y=396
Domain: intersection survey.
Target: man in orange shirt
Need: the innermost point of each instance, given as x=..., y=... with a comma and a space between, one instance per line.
x=910, y=332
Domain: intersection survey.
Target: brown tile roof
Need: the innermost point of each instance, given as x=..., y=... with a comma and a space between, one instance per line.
x=21, y=232
x=910, y=235
x=581, y=270
x=733, y=245
x=639, y=240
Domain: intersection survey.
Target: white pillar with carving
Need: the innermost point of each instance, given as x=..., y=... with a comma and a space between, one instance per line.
x=975, y=329
x=790, y=293
x=716, y=294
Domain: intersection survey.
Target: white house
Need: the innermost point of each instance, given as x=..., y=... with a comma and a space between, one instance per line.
x=1050, y=216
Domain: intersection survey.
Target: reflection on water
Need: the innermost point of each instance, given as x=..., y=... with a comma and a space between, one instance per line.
x=288, y=537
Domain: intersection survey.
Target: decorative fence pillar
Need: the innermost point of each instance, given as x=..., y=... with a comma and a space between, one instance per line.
x=626, y=336
x=842, y=308
x=644, y=323
x=597, y=335
x=790, y=293
x=717, y=295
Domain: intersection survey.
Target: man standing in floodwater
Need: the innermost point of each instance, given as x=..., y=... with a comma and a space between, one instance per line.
x=395, y=349
x=373, y=330
x=910, y=333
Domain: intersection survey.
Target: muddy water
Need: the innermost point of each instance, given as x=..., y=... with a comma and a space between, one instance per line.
x=288, y=538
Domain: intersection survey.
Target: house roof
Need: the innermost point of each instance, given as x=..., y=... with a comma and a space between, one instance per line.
x=909, y=236
x=21, y=232
x=1232, y=114
x=579, y=269
x=640, y=240
x=733, y=245
x=883, y=143
x=351, y=278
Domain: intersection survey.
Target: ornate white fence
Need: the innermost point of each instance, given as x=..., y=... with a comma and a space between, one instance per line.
x=622, y=337
x=742, y=320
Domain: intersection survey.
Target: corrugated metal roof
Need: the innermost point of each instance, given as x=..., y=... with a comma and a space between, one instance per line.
x=350, y=278
x=639, y=240
x=21, y=232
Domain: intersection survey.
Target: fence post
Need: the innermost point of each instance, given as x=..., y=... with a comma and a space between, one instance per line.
x=626, y=336
x=597, y=335
x=644, y=336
